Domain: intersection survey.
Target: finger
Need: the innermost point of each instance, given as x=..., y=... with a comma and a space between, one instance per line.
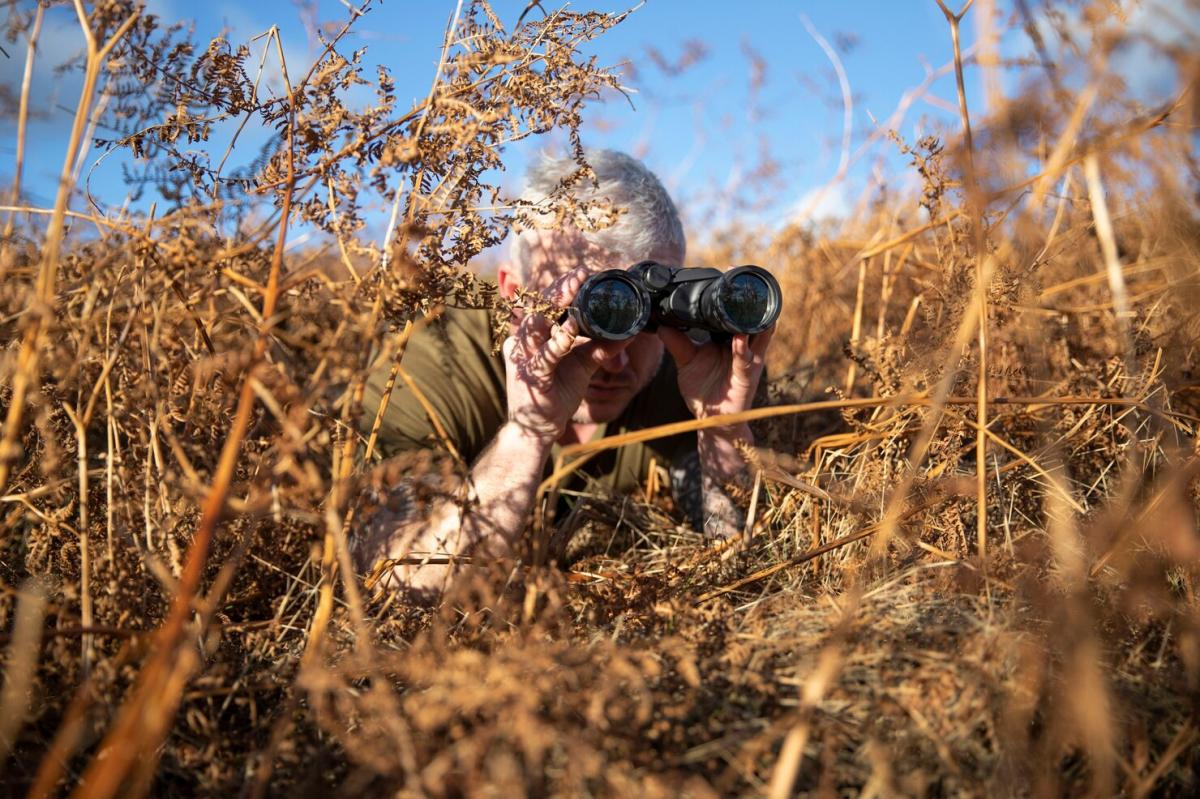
x=743, y=366
x=741, y=348
x=760, y=342
x=539, y=356
x=517, y=358
x=562, y=339
x=682, y=349
x=533, y=333
x=564, y=289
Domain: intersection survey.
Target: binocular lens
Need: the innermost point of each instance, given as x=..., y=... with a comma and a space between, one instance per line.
x=614, y=307
x=746, y=299
x=617, y=303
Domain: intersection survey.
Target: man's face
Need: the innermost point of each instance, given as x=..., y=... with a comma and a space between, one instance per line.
x=553, y=254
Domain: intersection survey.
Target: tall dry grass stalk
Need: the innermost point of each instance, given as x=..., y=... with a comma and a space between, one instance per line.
x=970, y=560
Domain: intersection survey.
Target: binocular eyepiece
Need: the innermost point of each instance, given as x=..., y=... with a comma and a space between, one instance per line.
x=616, y=304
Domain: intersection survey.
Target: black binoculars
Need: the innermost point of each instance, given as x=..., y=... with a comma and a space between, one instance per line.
x=617, y=303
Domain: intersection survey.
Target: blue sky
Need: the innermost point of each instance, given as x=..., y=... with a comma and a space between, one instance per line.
x=702, y=130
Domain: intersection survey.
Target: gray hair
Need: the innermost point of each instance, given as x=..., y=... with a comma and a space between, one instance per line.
x=649, y=227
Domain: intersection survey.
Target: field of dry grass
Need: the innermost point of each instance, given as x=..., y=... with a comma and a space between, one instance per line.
x=972, y=569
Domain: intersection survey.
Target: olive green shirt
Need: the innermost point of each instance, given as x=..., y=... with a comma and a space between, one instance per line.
x=453, y=363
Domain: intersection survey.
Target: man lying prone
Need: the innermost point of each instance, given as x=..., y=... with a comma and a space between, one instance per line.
x=554, y=385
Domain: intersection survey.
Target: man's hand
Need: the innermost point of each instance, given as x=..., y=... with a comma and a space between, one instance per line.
x=716, y=379
x=548, y=367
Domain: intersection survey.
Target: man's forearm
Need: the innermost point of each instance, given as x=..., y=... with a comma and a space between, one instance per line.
x=720, y=464
x=505, y=479
x=503, y=482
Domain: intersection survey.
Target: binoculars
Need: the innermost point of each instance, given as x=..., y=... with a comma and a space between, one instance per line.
x=617, y=303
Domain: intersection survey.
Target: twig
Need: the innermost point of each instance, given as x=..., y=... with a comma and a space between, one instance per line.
x=1134, y=128
x=28, y=371
x=338, y=233
x=847, y=117
x=1179, y=744
x=910, y=235
x=573, y=457
x=1054, y=484
x=414, y=196
x=982, y=281
x=20, y=664
x=85, y=560
x=811, y=554
x=1108, y=246
x=856, y=325
x=22, y=124
x=145, y=716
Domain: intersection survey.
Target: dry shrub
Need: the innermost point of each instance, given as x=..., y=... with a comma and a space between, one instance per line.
x=178, y=467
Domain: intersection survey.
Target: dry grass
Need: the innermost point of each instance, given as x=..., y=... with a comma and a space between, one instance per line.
x=972, y=569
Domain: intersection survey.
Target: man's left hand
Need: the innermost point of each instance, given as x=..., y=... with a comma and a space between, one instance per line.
x=714, y=380
x=717, y=379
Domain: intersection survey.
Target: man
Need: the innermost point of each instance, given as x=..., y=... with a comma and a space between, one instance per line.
x=507, y=414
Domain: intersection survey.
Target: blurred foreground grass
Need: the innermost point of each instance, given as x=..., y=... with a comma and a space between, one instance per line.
x=905, y=617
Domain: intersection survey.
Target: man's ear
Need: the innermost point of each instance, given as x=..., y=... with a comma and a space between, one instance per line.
x=507, y=280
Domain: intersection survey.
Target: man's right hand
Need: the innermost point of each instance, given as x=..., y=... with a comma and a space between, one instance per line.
x=548, y=367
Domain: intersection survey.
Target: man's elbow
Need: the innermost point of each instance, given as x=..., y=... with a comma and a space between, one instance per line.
x=395, y=542
x=418, y=584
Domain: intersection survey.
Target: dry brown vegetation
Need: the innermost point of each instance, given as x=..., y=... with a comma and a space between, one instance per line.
x=972, y=570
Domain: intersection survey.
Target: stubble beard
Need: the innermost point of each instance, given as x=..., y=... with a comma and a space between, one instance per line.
x=586, y=414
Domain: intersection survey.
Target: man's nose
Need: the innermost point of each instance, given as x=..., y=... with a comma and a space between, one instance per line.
x=616, y=364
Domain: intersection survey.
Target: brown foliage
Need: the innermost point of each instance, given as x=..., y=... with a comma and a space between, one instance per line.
x=179, y=465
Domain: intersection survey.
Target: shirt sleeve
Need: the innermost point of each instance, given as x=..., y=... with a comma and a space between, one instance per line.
x=451, y=363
